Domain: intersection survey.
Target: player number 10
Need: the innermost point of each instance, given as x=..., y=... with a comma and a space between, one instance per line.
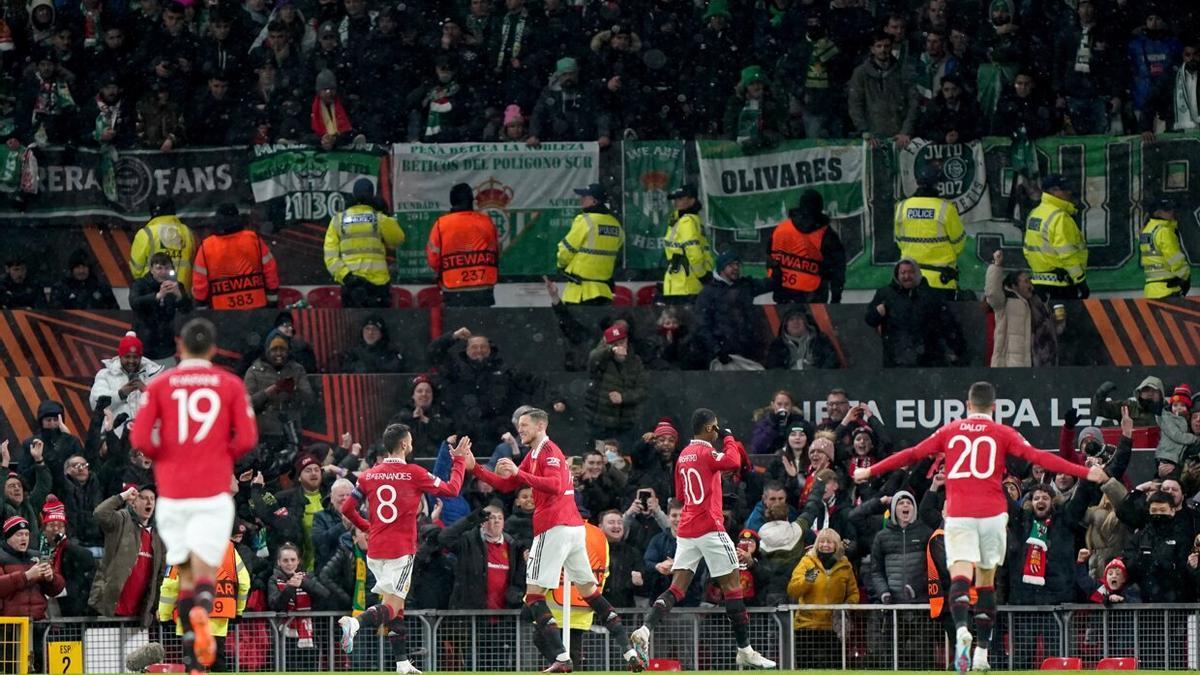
x=970, y=453
x=693, y=486
x=190, y=411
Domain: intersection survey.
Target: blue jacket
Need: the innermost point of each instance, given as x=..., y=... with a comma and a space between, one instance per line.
x=1154, y=63
x=755, y=520
x=661, y=547
x=453, y=508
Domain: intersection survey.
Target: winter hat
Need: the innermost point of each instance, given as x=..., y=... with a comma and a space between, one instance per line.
x=53, y=510
x=303, y=461
x=1182, y=394
x=326, y=80
x=665, y=428
x=274, y=336
x=14, y=525
x=49, y=409
x=1116, y=563
x=363, y=188
x=129, y=344
x=284, y=317
x=811, y=203
x=421, y=379
x=374, y=320
x=717, y=8
x=566, y=65
x=752, y=74
x=614, y=334
x=748, y=534
x=1089, y=433
x=726, y=258
x=512, y=115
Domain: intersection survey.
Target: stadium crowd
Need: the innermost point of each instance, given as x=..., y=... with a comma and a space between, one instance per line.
x=166, y=75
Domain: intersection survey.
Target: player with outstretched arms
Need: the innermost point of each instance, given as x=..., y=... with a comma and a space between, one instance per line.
x=392, y=491
x=559, y=541
x=702, y=535
x=195, y=423
x=976, y=507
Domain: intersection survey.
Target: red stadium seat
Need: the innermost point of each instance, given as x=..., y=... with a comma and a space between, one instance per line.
x=665, y=665
x=646, y=295
x=401, y=298
x=1062, y=663
x=622, y=297
x=166, y=668
x=326, y=297
x=1118, y=663
x=289, y=296
x=429, y=297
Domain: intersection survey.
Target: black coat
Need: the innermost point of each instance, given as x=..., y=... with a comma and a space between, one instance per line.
x=623, y=560
x=27, y=295
x=898, y=557
x=1156, y=558
x=484, y=392
x=80, y=501
x=918, y=329
x=338, y=578
x=821, y=352
x=90, y=293
x=465, y=540
x=154, y=319
x=380, y=357
x=1060, y=559
x=729, y=323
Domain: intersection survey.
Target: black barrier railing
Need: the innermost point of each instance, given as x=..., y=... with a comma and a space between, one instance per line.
x=846, y=637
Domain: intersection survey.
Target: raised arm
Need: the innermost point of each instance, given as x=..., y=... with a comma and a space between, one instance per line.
x=1020, y=447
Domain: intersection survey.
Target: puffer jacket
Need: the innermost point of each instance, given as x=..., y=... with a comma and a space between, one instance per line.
x=112, y=377
x=607, y=374
x=338, y=578
x=122, y=541
x=918, y=329
x=289, y=406
x=898, y=555
x=812, y=584
x=1143, y=413
x=18, y=595
x=1176, y=439
x=1013, y=337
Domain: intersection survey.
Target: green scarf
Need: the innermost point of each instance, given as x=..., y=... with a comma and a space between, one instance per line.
x=359, y=602
x=1037, y=547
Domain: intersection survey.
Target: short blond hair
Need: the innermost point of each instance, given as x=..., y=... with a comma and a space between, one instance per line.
x=828, y=533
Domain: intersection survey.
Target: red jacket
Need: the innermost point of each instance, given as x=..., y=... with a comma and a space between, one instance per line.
x=18, y=595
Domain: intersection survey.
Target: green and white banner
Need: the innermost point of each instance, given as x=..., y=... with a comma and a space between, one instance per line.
x=650, y=170
x=747, y=192
x=528, y=192
x=300, y=183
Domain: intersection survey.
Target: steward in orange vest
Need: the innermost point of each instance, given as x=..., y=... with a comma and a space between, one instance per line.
x=807, y=259
x=937, y=573
x=464, y=253
x=233, y=268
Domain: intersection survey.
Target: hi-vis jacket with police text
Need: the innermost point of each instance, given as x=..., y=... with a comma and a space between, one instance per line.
x=929, y=230
x=357, y=243
x=1167, y=270
x=164, y=234
x=1054, y=246
x=689, y=257
x=234, y=271
x=588, y=255
x=464, y=251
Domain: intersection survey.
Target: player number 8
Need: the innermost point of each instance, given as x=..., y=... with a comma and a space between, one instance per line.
x=970, y=453
x=387, y=499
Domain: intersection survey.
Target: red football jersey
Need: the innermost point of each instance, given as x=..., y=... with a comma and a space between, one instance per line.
x=195, y=422
x=698, y=485
x=976, y=449
x=545, y=470
x=392, y=491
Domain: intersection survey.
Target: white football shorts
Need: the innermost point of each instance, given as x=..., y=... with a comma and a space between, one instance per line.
x=392, y=575
x=563, y=547
x=981, y=541
x=715, y=548
x=199, y=526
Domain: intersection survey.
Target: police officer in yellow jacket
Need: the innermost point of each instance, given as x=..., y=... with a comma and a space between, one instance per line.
x=164, y=233
x=588, y=254
x=928, y=230
x=356, y=247
x=689, y=257
x=1055, y=247
x=1168, y=273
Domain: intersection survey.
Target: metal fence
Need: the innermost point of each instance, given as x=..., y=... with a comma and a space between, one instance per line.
x=858, y=637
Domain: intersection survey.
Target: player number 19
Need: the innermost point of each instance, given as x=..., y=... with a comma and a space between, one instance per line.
x=190, y=411
x=970, y=453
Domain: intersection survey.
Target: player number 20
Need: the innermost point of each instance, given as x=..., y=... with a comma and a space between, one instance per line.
x=191, y=410
x=971, y=449
x=693, y=486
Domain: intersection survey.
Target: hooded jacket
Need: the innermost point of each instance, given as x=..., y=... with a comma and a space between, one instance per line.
x=898, y=557
x=918, y=328
x=814, y=350
x=112, y=377
x=807, y=218
x=58, y=446
x=1144, y=413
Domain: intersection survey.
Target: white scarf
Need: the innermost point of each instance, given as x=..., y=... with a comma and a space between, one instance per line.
x=1187, y=111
